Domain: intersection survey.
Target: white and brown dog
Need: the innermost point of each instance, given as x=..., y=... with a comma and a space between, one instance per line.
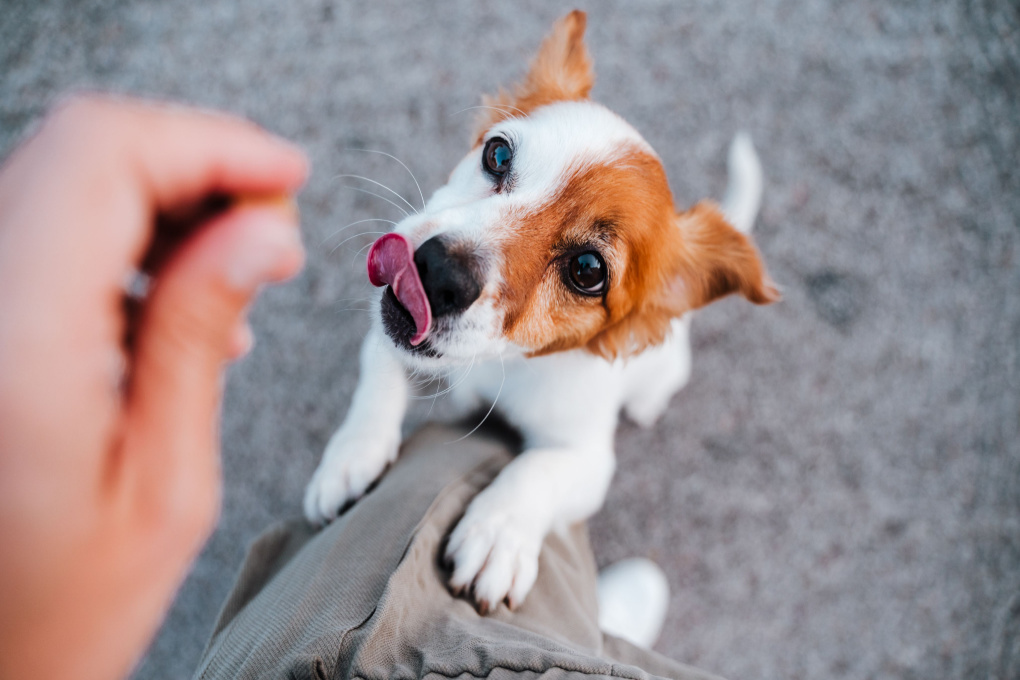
x=555, y=262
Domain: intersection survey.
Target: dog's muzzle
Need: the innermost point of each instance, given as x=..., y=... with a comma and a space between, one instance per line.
x=435, y=282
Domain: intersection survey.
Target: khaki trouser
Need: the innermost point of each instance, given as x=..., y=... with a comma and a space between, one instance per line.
x=366, y=597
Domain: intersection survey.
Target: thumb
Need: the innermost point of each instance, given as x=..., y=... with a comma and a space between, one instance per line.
x=187, y=333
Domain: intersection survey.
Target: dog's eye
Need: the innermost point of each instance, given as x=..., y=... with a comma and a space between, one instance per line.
x=587, y=273
x=497, y=156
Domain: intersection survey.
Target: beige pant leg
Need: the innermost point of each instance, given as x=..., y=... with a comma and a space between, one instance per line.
x=366, y=597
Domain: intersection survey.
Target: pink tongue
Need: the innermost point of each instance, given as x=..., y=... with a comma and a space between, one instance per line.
x=391, y=261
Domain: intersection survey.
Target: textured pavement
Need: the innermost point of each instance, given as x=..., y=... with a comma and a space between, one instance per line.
x=836, y=494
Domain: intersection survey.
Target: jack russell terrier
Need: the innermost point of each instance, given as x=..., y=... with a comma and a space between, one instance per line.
x=555, y=264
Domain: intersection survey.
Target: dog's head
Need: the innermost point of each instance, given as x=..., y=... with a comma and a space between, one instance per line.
x=557, y=231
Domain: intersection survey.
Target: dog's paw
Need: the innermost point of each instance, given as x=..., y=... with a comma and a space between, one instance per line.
x=494, y=553
x=349, y=466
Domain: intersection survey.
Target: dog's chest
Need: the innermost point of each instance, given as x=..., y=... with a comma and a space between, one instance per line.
x=567, y=392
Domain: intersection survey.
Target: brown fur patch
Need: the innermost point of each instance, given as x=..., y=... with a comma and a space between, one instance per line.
x=561, y=71
x=700, y=258
x=618, y=208
x=661, y=265
x=719, y=260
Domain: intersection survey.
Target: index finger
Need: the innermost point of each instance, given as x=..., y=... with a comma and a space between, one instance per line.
x=101, y=169
x=182, y=155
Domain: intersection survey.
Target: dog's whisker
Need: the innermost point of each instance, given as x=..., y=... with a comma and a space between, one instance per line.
x=381, y=185
x=429, y=378
x=424, y=382
x=489, y=412
x=367, y=301
x=351, y=238
x=436, y=396
x=452, y=387
x=461, y=379
x=361, y=299
x=361, y=250
x=345, y=228
x=372, y=193
x=426, y=378
x=421, y=384
x=433, y=404
x=501, y=109
x=507, y=106
x=444, y=391
x=413, y=178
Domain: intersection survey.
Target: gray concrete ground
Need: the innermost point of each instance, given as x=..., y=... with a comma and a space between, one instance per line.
x=837, y=492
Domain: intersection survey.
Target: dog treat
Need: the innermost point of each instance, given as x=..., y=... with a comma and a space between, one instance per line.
x=173, y=228
x=285, y=203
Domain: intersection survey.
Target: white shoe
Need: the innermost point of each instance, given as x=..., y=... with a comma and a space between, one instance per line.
x=633, y=596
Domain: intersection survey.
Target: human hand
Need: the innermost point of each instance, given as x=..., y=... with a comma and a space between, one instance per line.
x=109, y=459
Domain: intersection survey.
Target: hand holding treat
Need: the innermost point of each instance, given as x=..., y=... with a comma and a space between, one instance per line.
x=109, y=452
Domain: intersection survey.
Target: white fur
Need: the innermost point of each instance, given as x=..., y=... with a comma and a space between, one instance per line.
x=633, y=598
x=369, y=438
x=565, y=404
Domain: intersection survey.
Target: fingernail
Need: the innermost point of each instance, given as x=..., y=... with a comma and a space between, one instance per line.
x=270, y=250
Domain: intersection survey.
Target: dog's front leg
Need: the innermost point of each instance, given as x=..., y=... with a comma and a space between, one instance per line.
x=369, y=438
x=494, y=548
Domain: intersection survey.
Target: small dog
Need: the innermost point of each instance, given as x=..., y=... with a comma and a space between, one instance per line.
x=553, y=262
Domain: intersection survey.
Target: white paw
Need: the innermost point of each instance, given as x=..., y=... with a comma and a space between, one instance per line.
x=349, y=466
x=494, y=551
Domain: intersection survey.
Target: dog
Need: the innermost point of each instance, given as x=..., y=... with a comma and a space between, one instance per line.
x=554, y=263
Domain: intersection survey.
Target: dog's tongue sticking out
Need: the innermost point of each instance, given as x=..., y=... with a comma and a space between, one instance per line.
x=391, y=261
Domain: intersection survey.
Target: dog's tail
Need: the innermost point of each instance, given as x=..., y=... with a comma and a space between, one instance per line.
x=743, y=194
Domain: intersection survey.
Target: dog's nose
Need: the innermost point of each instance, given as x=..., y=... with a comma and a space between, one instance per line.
x=449, y=278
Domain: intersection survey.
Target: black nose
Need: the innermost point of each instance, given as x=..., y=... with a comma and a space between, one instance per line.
x=450, y=278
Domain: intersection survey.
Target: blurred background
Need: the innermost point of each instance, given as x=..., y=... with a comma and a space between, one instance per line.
x=836, y=494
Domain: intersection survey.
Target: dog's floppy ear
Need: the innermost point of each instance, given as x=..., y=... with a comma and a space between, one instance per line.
x=561, y=71
x=717, y=260
x=698, y=259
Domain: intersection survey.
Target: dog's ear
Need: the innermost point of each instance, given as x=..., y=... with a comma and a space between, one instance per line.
x=717, y=260
x=699, y=259
x=561, y=71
